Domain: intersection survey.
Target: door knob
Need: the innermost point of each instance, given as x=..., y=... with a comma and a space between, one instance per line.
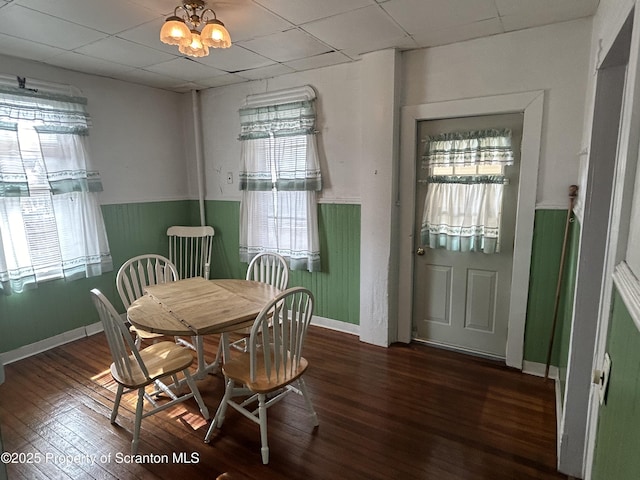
x=420, y=251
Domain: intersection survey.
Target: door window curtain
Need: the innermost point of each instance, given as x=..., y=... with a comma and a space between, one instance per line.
x=463, y=212
x=51, y=225
x=279, y=178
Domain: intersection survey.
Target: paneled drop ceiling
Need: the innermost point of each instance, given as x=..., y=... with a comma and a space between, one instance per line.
x=120, y=38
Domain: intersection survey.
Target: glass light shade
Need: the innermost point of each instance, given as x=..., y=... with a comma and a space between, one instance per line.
x=195, y=48
x=214, y=34
x=175, y=32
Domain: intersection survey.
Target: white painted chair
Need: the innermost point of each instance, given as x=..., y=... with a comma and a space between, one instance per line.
x=135, y=369
x=272, y=365
x=268, y=268
x=190, y=251
x=137, y=273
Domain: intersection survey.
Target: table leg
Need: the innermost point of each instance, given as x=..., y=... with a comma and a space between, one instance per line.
x=204, y=369
x=224, y=340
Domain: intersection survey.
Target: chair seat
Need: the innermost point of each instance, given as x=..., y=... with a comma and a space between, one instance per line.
x=143, y=334
x=239, y=369
x=161, y=359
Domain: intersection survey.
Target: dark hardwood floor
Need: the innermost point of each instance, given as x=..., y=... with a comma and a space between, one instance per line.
x=406, y=412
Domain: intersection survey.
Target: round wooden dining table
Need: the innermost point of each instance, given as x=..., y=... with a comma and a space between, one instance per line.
x=197, y=307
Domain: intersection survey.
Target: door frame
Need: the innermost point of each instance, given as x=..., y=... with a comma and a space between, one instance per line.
x=531, y=105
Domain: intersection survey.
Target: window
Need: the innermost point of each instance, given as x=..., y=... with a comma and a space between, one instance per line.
x=279, y=178
x=466, y=178
x=51, y=225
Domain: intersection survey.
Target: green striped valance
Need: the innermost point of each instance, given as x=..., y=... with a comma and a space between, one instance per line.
x=64, y=129
x=468, y=179
x=53, y=110
x=67, y=181
x=479, y=147
x=15, y=188
x=286, y=119
x=260, y=182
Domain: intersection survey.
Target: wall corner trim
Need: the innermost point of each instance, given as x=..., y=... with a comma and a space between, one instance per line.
x=628, y=286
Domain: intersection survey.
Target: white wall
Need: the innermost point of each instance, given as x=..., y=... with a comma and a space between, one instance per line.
x=136, y=141
x=553, y=58
x=339, y=140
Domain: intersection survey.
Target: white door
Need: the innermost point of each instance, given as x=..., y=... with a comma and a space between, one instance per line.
x=461, y=299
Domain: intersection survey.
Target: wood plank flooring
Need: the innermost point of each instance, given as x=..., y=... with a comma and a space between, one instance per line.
x=406, y=412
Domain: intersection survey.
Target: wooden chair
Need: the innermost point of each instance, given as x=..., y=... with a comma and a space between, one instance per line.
x=272, y=365
x=135, y=369
x=137, y=273
x=190, y=250
x=269, y=268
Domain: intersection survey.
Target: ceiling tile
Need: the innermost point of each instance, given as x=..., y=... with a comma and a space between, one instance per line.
x=265, y=72
x=521, y=21
x=360, y=30
x=245, y=19
x=484, y=28
x=117, y=50
x=285, y=46
x=417, y=16
x=104, y=16
x=318, y=61
x=185, y=69
x=144, y=77
x=45, y=29
x=303, y=11
x=234, y=59
x=163, y=7
x=548, y=8
x=83, y=63
x=148, y=34
x=221, y=80
x=17, y=47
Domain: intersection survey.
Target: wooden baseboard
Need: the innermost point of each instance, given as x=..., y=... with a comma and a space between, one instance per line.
x=49, y=343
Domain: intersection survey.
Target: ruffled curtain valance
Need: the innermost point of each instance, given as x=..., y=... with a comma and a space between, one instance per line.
x=62, y=123
x=483, y=147
x=285, y=119
x=56, y=112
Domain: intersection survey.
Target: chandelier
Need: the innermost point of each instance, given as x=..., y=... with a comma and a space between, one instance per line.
x=183, y=29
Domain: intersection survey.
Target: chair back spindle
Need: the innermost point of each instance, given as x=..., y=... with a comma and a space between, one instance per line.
x=269, y=268
x=120, y=342
x=190, y=250
x=277, y=336
x=141, y=271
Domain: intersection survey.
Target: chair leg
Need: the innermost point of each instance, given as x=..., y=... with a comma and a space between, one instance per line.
x=137, y=422
x=218, y=419
x=305, y=394
x=262, y=414
x=196, y=394
x=116, y=403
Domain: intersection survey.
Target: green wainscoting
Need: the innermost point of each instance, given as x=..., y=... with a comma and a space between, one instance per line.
x=59, y=306
x=133, y=229
x=547, y=248
x=336, y=287
x=616, y=454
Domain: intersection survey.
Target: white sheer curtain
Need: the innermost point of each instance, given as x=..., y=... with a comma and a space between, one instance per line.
x=51, y=225
x=279, y=178
x=463, y=212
